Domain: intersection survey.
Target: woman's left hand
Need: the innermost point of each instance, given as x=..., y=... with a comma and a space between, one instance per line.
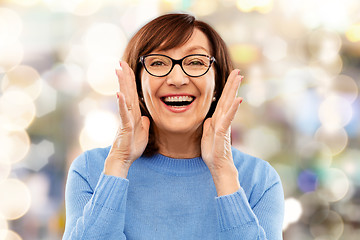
x=216, y=142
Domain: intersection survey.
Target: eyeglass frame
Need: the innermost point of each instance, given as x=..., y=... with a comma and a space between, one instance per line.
x=176, y=61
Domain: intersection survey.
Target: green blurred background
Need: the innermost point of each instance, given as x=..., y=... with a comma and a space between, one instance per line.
x=301, y=109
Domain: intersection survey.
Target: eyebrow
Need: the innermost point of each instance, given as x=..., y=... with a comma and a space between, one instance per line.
x=193, y=48
x=188, y=50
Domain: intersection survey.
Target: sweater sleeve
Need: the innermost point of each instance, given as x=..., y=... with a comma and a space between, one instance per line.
x=94, y=213
x=238, y=220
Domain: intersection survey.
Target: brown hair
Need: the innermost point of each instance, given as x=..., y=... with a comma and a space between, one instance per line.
x=167, y=32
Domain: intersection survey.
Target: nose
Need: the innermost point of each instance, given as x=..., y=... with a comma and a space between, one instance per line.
x=177, y=77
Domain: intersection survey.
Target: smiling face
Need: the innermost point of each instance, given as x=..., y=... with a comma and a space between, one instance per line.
x=177, y=102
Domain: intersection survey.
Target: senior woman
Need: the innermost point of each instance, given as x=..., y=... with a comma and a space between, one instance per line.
x=171, y=172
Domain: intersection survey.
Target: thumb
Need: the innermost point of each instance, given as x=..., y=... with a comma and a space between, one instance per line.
x=145, y=122
x=206, y=125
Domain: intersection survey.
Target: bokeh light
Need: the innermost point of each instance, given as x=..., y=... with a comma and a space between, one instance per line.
x=10, y=24
x=79, y=7
x=5, y=169
x=293, y=211
x=16, y=202
x=334, y=184
x=46, y=101
x=345, y=87
x=301, y=108
x=336, y=140
x=204, y=7
x=3, y=222
x=314, y=155
x=11, y=55
x=324, y=45
x=61, y=76
x=263, y=141
x=15, y=146
x=39, y=155
x=23, y=78
x=307, y=181
x=9, y=235
x=26, y=3
x=330, y=226
x=353, y=33
x=10, y=47
x=101, y=75
x=335, y=112
x=345, y=161
x=244, y=53
x=262, y=6
x=104, y=39
x=17, y=110
x=275, y=49
x=94, y=134
x=316, y=207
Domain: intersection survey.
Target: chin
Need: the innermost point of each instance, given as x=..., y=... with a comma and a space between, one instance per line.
x=179, y=127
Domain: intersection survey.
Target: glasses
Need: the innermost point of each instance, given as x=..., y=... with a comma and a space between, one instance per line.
x=194, y=65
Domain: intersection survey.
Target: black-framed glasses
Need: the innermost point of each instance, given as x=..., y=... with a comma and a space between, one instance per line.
x=194, y=65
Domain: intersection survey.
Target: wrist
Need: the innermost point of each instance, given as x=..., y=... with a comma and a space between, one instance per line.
x=116, y=167
x=226, y=181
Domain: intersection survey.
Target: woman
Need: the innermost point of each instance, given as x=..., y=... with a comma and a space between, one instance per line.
x=171, y=172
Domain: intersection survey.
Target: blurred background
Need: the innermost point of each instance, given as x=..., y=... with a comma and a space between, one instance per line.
x=301, y=109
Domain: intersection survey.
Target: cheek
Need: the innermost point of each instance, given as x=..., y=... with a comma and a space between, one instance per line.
x=209, y=85
x=145, y=85
x=149, y=87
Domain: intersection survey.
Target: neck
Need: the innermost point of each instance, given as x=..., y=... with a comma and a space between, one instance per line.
x=179, y=145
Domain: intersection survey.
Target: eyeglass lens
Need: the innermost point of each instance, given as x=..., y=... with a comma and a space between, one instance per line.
x=194, y=65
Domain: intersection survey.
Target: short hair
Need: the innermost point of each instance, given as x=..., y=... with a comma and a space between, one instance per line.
x=166, y=32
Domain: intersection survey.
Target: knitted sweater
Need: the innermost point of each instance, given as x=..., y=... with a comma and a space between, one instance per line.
x=167, y=198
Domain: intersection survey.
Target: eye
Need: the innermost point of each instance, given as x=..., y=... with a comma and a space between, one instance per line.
x=157, y=62
x=196, y=62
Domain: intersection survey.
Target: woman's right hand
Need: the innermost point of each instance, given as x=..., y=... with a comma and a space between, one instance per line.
x=132, y=135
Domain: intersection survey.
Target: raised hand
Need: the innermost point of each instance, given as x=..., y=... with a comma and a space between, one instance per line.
x=216, y=143
x=132, y=135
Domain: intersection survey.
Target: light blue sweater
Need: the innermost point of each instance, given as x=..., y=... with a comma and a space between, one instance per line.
x=169, y=199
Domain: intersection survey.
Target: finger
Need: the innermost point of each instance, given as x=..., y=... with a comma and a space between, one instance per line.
x=229, y=93
x=131, y=81
x=231, y=113
x=123, y=110
x=129, y=75
x=207, y=125
x=132, y=95
x=122, y=81
x=145, y=123
x=230, y=90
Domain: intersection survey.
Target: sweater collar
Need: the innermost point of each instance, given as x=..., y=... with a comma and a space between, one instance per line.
x=174, y=166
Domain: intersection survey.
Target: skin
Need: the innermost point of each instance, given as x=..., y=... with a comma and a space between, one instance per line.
x=179, y=135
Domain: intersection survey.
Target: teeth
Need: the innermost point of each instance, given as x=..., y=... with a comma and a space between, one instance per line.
x=178, y=99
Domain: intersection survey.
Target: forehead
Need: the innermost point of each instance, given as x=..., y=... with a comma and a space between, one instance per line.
x=197, y=43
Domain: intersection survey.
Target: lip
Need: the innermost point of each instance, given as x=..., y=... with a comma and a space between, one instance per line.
x=176, y=95
x=177, y=109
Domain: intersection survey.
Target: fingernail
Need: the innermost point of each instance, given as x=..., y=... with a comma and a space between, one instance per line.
x=239, y=72
x=117, y=95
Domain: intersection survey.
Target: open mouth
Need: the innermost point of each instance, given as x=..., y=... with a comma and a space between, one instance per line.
x=178, y=101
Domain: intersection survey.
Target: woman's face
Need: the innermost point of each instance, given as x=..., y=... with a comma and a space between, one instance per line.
x=160, y=92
